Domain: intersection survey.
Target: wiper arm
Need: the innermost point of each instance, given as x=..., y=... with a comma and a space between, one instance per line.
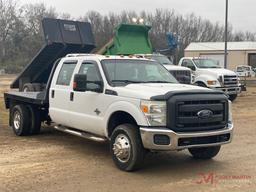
x=125, y=81
x=157, y=82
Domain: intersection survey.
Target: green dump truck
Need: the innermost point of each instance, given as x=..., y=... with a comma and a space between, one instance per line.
x=133, y=39
x=129, y=39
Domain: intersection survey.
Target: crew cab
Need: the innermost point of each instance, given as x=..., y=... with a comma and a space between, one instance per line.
x=133, y=103
x=209, y=74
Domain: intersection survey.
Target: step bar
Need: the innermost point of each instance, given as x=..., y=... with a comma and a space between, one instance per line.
x=79, y=133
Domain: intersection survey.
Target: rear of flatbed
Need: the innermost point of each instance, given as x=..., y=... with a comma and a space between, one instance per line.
x=33, y=98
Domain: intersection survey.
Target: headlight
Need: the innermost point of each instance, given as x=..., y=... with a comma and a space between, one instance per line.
x=230, y=112
x=212, y=82
x=155, y=112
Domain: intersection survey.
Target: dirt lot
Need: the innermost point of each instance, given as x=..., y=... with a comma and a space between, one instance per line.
x=54, y=161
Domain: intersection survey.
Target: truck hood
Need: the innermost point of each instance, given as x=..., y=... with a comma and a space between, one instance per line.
x=148, y=90
x=176, y=68
x=217, y=72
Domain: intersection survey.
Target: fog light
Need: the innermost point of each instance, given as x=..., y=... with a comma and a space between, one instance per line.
x=161, y=139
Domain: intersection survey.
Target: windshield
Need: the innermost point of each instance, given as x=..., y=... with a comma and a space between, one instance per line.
x=239, y=69
x=206, y=63
x=121, y=72
x=162, y=59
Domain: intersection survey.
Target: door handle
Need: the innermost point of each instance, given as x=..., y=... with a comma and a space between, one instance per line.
x=71, y=96
x=52, y=93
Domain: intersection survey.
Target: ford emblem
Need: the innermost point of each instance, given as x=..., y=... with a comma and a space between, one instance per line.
x=205, y=114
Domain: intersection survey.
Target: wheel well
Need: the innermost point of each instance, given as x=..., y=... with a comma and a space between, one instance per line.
x=118, y=118
x=200, y=83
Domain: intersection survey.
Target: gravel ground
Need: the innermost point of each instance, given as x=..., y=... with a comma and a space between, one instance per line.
x=54, y=161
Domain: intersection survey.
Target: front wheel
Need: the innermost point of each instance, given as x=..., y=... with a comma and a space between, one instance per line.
x=232, y=97
x=204, y=152
x=126, y=147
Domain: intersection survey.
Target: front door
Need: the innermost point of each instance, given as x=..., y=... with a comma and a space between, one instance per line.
x=86, y=110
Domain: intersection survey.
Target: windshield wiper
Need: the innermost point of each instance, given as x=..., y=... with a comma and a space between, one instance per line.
x=125, y=81
x=157, y=82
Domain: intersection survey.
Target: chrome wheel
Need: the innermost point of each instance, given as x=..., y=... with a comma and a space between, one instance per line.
x=17, y=120
x=122, y=148
x=25, y=89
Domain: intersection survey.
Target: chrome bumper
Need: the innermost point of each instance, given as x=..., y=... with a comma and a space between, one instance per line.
x=230, y=90
x=147, y=136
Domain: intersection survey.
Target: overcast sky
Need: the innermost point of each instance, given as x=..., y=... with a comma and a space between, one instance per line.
x=242, y=13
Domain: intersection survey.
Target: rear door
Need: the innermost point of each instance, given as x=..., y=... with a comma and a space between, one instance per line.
x=60, y=92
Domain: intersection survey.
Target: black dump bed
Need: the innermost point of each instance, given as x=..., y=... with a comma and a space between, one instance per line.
x=62, y=37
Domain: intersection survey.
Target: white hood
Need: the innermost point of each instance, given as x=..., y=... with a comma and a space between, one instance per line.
x=216, y=72
x=176, y=68
x=147, y=90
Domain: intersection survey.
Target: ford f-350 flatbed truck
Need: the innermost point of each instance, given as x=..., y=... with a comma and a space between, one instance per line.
x=134, y=103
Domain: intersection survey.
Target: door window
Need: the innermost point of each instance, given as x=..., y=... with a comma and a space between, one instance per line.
x=92, y=73
x=66, y=73
x=188, y=63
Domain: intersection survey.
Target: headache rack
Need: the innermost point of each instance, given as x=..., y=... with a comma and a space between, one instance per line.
x=62, y=37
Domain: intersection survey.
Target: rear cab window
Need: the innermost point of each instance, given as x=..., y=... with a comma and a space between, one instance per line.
x=66, y=73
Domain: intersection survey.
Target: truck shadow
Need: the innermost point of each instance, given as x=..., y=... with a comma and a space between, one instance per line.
x=162, y=163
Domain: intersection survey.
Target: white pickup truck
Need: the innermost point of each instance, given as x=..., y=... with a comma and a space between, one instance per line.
x=209, y=74
x=134, y=103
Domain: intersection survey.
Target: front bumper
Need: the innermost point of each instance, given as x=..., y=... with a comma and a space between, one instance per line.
x=230, y=90
x=184, y=140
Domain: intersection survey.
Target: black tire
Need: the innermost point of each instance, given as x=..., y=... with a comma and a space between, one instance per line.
x=28, y=87
x=35, y=120
x=37, y=87
x=204, y=152
x=136, y=152
x=200, y=84
x=232, y=97
x=20, y=120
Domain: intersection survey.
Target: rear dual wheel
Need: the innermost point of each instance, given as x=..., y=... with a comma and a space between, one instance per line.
x=25, y=120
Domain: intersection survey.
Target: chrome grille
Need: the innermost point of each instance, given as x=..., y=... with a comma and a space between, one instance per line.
x=230, y=80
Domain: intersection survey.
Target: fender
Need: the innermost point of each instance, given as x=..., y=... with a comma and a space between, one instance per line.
x=127, y=107
x=204, y=78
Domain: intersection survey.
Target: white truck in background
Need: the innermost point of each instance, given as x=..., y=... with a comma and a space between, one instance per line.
x=208, y=73
x=182, y=74
x=245, y=71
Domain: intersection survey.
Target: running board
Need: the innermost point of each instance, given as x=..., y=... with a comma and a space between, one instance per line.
x=79, y=133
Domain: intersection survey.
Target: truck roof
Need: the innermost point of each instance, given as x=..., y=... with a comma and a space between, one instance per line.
x=103, y=57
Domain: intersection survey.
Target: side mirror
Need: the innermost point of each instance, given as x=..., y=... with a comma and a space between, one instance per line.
x=192, y=67
x=80, y=82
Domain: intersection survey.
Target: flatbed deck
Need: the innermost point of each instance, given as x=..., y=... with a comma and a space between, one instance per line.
x=36, y=98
